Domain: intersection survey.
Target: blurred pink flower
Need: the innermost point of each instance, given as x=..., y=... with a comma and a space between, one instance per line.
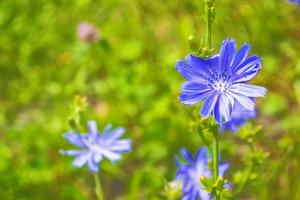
x=87, y=32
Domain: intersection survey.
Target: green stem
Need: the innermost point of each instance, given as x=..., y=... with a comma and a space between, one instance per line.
x=216, y=160
x=98, y=188
x=209, y=17
x=215, y=156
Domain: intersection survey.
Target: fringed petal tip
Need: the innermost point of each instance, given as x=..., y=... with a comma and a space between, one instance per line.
x=186, y=155
x=223, y=168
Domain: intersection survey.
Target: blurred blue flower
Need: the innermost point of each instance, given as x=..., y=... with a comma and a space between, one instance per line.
x=97, y=146
x=220, y=81
x=189, y=174
x=239, y=117
x=295, y=1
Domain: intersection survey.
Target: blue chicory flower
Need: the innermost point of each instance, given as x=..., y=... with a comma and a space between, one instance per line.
x=295, y=1
x=239, y=117
x=189, y=174
x=97, y=146
x=220, y=81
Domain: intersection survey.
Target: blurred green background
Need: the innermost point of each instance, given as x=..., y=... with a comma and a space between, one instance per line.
x=129, y=80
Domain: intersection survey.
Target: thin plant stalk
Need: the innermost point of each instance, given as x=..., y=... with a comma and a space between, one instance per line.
x=216, y=156
x=216, y=160
x=98, y=188
x=209, y=17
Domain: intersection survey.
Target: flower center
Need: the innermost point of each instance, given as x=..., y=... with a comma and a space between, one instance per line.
x=94, y=146
x=219, y=82
x=220, y=86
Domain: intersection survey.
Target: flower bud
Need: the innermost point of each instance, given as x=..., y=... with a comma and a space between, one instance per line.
x=87, y=32
x=173, y=190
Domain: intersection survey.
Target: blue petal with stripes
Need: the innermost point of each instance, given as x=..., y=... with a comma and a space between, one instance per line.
x=191, y=170
x=95, y=146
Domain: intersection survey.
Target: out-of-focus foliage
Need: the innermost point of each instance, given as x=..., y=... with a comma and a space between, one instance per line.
x=129, y=80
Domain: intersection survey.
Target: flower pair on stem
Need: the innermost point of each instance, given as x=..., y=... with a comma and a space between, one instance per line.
x=220, y=81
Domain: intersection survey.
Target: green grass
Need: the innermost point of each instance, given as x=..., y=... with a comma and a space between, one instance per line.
x=130, y=80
